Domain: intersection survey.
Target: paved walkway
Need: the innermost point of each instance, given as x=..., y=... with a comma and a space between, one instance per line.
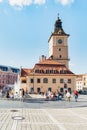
x=43, y=119
x=37, y=114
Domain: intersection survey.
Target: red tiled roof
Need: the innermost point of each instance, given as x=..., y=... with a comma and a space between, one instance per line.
x=25, y=72
x=48, y=66
x=50, y=62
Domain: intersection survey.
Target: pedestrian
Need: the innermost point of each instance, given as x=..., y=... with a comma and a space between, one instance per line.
x=20, y=95
x=76, y=95
x=16, y=95
x=68, y=96
x=23, y=93
x=7, y=96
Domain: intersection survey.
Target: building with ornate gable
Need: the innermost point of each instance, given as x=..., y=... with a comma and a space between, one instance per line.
x=51, y=73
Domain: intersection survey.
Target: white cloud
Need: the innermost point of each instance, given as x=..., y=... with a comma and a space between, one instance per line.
x=20, y=3
x=65, y=2
x=1, y=0
x=39, y=2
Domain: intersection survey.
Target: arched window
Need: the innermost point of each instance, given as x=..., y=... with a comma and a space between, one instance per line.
x=50, y=89
x=45, y=80
x=38, y=90
x=61, y=89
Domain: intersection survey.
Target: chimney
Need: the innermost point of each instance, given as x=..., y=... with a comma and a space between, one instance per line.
x=43, y=58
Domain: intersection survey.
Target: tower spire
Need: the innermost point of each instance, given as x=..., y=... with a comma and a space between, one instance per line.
x=58, y=29
x=58, y=15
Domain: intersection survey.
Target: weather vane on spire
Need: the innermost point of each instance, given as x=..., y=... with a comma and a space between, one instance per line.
x=58, y=15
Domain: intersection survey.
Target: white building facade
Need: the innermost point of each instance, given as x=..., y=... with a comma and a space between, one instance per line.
x=81, y=82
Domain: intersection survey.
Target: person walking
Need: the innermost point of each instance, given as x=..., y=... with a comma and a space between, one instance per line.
x=20, y=95
x=7, y=95
x=68, y=96
x=23, y=94
x=76, y=95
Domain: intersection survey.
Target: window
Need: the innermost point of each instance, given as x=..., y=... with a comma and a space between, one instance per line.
x=32, y=80
x=59, y=49
x=38, y=90
x=47, y=71
x=36, y=71
x=69, y=89
x=40, y=71
x=53, y=80
x=38, y=80
x=50, y=89
x=61, y=89
x=54, y=71
x=64, y=71
x=60, y=56
x=23, y=81
x=65, y=85
x=61, y=71
x=69, y=80
x=45, y=80
x=61, y=80
x=50, y=71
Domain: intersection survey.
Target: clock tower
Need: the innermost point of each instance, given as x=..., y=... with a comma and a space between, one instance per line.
x=58, y=44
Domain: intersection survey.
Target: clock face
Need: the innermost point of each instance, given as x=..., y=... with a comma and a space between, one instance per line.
x=60, y=41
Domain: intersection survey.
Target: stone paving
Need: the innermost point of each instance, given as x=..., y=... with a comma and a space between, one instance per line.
x=43, y=119
x=16, y=115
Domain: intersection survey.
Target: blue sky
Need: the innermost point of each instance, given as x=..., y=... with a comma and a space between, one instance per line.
x=26, y=25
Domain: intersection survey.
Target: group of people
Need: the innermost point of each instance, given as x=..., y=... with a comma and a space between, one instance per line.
x=58, y=95
x=53, y=96
x=68, y=95
x=16, y=95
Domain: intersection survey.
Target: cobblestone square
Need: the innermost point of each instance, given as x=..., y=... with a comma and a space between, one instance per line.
x=23, y=117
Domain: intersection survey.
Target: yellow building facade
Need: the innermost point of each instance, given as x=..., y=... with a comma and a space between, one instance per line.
x=51, y=73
